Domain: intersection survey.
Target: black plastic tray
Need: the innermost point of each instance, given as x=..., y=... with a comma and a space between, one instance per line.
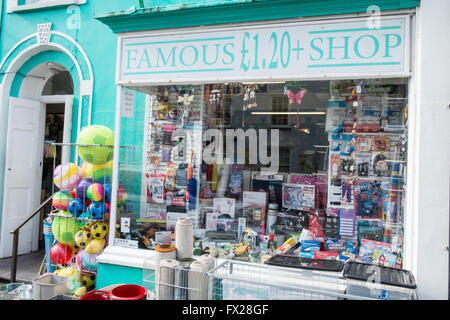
x=385, y=275
x=305, y=263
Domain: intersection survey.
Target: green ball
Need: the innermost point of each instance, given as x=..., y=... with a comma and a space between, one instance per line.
x=64, y=229
x=96, y=134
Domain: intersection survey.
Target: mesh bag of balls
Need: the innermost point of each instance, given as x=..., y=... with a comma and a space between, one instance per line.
x=80, y=223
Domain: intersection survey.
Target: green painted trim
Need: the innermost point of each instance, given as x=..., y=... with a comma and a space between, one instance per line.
x=355, y=30
x=177, y=41
x=189, y=15
x=353, y=64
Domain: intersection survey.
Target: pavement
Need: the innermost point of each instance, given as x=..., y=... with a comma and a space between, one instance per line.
x=27, y=267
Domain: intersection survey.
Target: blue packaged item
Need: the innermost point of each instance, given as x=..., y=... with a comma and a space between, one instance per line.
x=310, y=245
x=306, y=254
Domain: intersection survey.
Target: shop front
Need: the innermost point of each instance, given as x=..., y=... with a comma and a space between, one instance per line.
x=279, y=141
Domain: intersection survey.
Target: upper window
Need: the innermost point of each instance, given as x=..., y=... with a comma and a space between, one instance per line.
x=21, y=5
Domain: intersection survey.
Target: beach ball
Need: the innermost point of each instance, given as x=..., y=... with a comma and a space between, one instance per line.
x=103, y=173
x=107, y=189
x=64, y=227
x=95, y=192
x=82, y=188
x=67, y=176
x=82, y=238
x=89, y=261
x=96, y=210
x=95, y=246
x=99, y=230
x=96, y=135
x=78, y=259
x=86, y=169
x=60, y=253
x=76, y=207
x=61, y=200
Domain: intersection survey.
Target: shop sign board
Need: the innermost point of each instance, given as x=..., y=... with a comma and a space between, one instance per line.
x=345, y=48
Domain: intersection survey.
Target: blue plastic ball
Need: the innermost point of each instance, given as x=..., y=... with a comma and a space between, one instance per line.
x=76, y=207
x=107, y=189
x=97, y=210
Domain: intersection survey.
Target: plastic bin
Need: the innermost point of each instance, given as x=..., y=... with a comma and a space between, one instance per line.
x=378, y=282
x=51, y=285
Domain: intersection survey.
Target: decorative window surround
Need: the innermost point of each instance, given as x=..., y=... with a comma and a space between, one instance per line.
x=13, y=5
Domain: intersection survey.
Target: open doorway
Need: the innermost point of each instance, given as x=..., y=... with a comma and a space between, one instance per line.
x=57, y=88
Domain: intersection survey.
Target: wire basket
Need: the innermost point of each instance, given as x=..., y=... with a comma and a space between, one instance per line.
x=236, y=280
x=170, y=279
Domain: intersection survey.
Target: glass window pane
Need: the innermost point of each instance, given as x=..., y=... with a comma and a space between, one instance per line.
x=329, y=157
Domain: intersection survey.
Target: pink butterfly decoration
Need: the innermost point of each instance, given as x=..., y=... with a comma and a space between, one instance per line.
x=295, y=97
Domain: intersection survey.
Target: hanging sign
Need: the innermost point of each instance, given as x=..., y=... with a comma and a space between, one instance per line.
x=307, y=50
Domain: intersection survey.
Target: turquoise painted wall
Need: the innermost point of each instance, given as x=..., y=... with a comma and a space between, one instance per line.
x=96, y=39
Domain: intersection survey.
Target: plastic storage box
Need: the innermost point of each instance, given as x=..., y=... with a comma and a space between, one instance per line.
x=299, y=278
x=49, y=286
x=379, y=282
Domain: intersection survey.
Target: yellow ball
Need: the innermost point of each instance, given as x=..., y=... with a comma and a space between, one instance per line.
x=95, y=246
x=87, y=280
x=82, y=238
x=99, y=230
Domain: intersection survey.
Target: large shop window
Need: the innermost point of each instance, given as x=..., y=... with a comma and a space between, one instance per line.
x=322, y=162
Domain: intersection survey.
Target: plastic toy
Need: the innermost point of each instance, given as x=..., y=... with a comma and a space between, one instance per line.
x=100, y=173
x=82, y=188
x=76, y=207
x=95, y=246
x=64, y=227
x=82, y=238
x=87, y=280
x=60, y=253
x=122, y=196
x=96, y=210
x=61, y=200
x=107, y=189
x=88, y=261
x=96, y=135
x=84, y=220
x=67, y=176
x=99, y=230
x=95, y=192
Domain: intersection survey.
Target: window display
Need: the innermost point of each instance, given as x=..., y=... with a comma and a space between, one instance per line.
x=317, y=168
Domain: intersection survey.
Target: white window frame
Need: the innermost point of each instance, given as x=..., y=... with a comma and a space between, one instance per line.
x=13, y=5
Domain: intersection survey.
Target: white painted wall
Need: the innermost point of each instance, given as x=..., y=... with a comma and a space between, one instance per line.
x=430, y=173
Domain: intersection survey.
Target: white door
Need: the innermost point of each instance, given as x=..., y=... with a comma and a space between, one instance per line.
x=23, y=174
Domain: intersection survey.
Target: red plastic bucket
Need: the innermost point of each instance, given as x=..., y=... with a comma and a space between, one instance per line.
x=128, y=292
x=96, y=295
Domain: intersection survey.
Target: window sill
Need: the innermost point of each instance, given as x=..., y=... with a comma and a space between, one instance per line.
x=44, y=5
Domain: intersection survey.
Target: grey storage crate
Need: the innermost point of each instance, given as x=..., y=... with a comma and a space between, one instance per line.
x=378, y=282
x=51, y=285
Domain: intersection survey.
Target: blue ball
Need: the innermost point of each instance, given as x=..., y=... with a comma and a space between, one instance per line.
x=97, y=210
x=107, y=188
x=76, y=207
